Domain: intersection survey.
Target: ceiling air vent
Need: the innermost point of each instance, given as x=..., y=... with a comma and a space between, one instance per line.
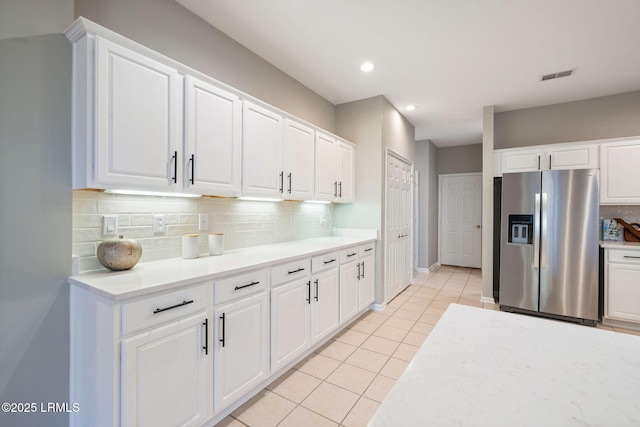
x=557, y=75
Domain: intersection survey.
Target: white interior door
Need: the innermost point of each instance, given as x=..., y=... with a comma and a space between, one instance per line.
x=398, y=225
x=460, y=220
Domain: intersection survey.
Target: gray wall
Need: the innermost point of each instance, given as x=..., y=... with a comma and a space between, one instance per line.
x=596, y=118
x=168, y=28
x=374, y=125
x=427, y=163
x=35, y=224
x=460, y=159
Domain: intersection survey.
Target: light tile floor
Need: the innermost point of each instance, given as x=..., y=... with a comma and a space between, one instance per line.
x=343, y=382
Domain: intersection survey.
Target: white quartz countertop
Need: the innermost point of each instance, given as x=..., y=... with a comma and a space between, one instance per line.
x=610, y=244
x=481, y=367
x=156, y=276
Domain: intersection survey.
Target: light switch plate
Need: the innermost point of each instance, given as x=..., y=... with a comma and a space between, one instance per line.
x=203, y=222
x=109, y=225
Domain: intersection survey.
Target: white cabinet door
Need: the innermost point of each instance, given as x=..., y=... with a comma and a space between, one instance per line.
x=324, y=305
x=262, y=172
x=298, y=161
x=349, y=284
x=522, y=161
x=326, y=181
x=213, y=125
x=166, y=373
x=367, y=292
x=241, y=340
x=346, y=170
x=573, y=157
x=620, y=173
x=138, y=120
x=623, y=293
x=290, y=322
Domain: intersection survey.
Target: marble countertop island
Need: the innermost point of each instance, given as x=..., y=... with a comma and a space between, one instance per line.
x=481, y=367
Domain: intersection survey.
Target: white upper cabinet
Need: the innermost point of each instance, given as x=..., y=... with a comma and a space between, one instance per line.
x=137, y=121
x=335, y=166
x=346, y=169
x=547, y=157
x=262, y=148
x=620, y=173
x=213, y=126
x=142, y=121
x=326, y=183
x=298, y=161
x=573, y=157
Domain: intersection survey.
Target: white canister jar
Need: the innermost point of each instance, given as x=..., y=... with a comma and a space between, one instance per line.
x=190, y=247
x=216, y=244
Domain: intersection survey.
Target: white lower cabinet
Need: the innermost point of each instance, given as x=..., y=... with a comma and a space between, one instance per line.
x=349, y=278
x=623, y=285
x=290, y=322
x=240, y=336
x=325, y=300
x=166, y=375
x=357, y=280
x=367, y=280
x=188, y=356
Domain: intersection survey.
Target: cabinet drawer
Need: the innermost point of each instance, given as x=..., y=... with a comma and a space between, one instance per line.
x=152, y=311
x=367, y=250
x=624, y=256
x=233, y=287
x=324, y=261
x=349, y=255
x=293, y=270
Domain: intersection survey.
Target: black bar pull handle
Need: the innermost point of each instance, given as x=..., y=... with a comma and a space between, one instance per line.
x=316, y=297
x=206, y=336
x=340, y=187
x=631, y=257
x=335, y=188
x=353, y=254
x=330, y=261
x=160, y=310
x=309, y=291
x=289, y=176
x=192, y=160
x=368, y=249
x=175, y=166
x=295, y=271
x=282, y=182
x=538, y=162
x=223, y=319
x=358, y=271
x=363, y=269
x=246, y=286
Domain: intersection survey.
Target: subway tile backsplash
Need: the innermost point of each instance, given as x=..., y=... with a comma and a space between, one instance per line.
x=244, y=223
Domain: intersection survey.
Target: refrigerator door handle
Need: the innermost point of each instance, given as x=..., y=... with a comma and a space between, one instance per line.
x=543, y=232
x=536, y=232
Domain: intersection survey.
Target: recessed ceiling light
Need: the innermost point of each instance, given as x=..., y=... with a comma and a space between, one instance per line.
x=367, y=67
x=410, y=107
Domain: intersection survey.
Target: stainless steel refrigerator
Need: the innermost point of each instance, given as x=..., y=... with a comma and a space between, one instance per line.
x=549, y=247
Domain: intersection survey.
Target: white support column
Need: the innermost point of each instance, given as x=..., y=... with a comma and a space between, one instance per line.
x=487, y=204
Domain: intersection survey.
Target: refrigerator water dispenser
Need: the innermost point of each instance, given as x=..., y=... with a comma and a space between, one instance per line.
x=520, y=229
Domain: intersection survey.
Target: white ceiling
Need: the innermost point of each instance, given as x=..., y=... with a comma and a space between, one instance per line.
x=449, y=57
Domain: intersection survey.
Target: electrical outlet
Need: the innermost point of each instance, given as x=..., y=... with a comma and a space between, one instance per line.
x=203, y=222
x=109, y=225
x=158, y=224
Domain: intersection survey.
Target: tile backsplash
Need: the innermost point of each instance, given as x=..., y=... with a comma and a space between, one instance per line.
x=628, y=213
x=244, y=223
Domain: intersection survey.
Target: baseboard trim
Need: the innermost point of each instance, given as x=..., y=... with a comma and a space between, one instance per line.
x=431, y=269
x=378, y=307
x=487, y=300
